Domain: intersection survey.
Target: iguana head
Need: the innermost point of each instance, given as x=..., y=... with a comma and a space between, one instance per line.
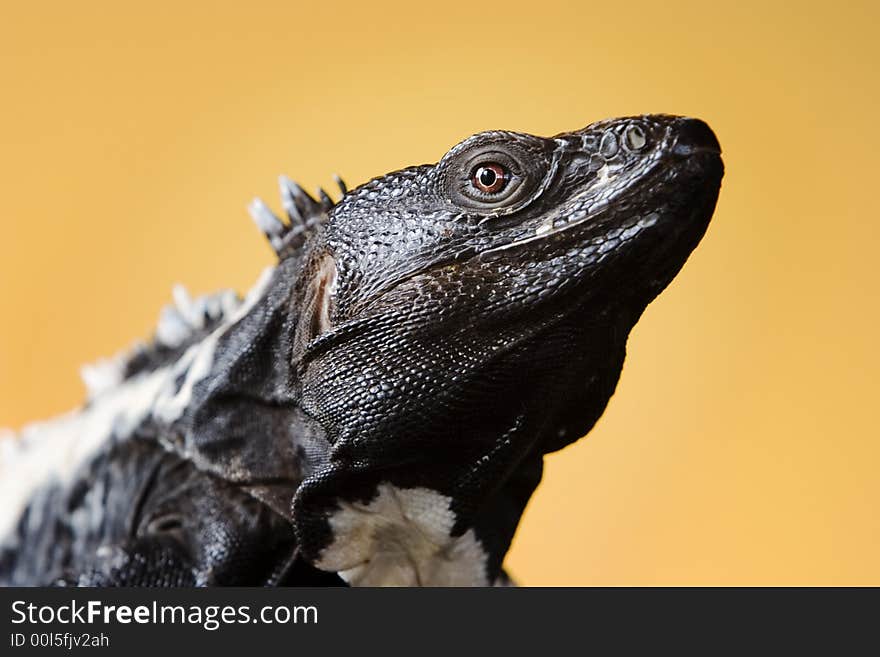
x=459, y=320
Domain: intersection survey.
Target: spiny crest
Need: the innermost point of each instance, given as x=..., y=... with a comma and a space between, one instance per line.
x=180, y=325
x=305, y=214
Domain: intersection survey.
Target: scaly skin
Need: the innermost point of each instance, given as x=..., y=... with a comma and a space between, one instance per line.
x=386, y=397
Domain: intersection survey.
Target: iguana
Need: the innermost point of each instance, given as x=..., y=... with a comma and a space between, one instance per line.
x=376, y=410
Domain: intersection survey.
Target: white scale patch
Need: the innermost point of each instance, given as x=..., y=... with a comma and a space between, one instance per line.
x=103, y=375
x=402, y=538
x=177, y=323
x=52, y=451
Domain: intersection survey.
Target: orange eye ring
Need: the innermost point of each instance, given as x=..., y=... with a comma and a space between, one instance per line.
x=489, y=178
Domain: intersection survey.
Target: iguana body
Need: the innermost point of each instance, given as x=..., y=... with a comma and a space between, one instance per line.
x=377, y=408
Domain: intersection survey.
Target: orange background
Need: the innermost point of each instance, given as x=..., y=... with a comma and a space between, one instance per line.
x=742, y=444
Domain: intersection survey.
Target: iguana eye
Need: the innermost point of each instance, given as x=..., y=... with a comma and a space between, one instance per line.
x=489, y=178
x=495, y=175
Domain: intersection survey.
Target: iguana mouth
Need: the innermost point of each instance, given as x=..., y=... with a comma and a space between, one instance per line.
x=560, y=226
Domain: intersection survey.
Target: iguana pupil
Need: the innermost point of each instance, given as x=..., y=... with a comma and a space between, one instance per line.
x=490, y=178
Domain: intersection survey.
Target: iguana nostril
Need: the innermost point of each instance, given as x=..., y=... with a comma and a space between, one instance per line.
x=634, y=138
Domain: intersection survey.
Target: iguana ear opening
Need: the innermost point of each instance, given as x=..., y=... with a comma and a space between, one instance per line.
x=318, y=302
